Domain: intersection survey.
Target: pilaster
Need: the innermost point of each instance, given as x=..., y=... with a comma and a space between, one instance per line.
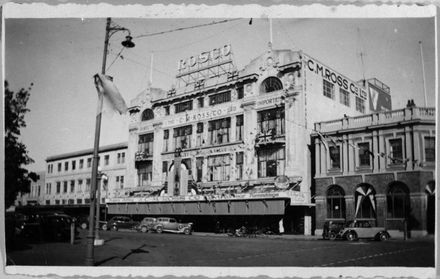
x=157, y=150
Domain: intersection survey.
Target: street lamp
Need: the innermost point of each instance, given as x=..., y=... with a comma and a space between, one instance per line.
x=102, y=177
x=109, y=31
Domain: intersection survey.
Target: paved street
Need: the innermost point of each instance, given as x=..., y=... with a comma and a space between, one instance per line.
x=137, y=249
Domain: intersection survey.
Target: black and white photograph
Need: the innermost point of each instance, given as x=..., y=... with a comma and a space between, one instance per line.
x=219, y=140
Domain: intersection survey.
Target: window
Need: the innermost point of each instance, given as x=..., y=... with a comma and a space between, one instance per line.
x=239, y=165
x=78, y=201
x=430, y=149
x=344, y=97
x=86, y=201
x=147, y=115
x=49, y=168
x=218, y=131
x=200, y=102
x=219, y=167
x=57, y=202
x=220, y=98
x=121, y=158
x=70, y=201
x=396, y=151
x=121, y=182
x=80, y=182
x=106, y=160
x=88, y=180
x=81, y=163
x=63, y=201
x=364, y=154
x=271, y=122
x=365, y=202
x=199, y=138
x=39, y=190
x=360, y=105
x=182, y=137
x=181, y=107
x=167, y=110
x=199, y=167
x=47, y=202
x=59, y=167
x=89, y=162
x=271, y=84
x=65, y=187
x=164, y=169
x=66, y=166
x=240, y=92
x=328, y=89
x=187, y=163
x=58, y=187
x=72, y=186
x=271, y=162
x=145, y=143
x=166, y=139
x=239, y=128
x=335, y=203
x=398, y=201
x=48, y=188
x=145, y=174
x=73, y=165
x=335, y=157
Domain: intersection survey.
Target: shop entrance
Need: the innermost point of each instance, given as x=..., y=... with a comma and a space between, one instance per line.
x=294, y=220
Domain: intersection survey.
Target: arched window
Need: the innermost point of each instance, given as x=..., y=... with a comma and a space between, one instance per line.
x=335, y=203
x=397, y=201
x=365, y=202
x=147, y=115
x=271, y=84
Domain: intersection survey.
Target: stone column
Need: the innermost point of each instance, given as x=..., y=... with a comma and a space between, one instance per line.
x=382, y=147
x=408, y=149
x=381, y=209
x=345, y=154
x=157, y=156
x=351, y=160
x=232, y=135
x=250, y=131
x=318, y=157
x=130, y=177
x=375, y=149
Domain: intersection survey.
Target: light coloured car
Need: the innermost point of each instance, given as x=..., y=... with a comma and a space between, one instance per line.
x=147, y=224
x=166, y=224
x=357, y=229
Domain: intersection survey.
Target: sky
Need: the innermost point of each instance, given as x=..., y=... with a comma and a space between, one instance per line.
x=60, y=56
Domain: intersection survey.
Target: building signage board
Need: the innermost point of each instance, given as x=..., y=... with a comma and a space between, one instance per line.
x=296, y=197
x=273, y=100
x=379, y=100
x=330, y=75
x=201, y=115
x=203, y=59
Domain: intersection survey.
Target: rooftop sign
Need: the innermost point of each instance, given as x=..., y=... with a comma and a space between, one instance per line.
x=204, y=58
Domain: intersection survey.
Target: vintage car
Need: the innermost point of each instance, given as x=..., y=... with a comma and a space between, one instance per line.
x=147, y=224
x=165, y=224
x=331, y=229
x=120, y=222
x=357, y=229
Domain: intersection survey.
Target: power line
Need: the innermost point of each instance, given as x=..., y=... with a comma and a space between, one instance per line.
x=189, y=27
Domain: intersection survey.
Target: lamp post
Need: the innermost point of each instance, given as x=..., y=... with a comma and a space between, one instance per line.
x=101, y=178
x=109, y=31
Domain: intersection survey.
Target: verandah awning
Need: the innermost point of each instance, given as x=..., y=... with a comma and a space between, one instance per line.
x=228, y=207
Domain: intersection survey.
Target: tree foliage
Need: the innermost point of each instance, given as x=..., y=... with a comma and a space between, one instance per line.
x=17, y=178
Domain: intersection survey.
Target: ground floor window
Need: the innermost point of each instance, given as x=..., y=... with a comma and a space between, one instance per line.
x=365, y=202
x=397, y=201
x=335, y=203
x=219, y=167
x=271, y=162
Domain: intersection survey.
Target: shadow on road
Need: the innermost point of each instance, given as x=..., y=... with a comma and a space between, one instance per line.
x=138, y=250
x=113, y=238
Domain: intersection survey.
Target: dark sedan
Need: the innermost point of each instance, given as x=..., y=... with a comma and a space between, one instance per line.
x=120, y=222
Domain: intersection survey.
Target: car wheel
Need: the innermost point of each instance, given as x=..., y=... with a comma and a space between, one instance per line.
x=104, y=227
x=114, y=228
x=384, y=236
x=352, y=236
x=159, y=229
x=187, y=231
x=332, y=236
x=83, y=225
x=144, y=229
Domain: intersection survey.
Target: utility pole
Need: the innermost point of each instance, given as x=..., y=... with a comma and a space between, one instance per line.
x=423, y=73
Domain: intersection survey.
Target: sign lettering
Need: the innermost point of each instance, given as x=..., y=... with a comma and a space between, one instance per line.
x=204, y=57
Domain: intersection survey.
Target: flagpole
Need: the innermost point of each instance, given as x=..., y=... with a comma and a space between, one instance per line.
x=423, y=72
x=91, y=237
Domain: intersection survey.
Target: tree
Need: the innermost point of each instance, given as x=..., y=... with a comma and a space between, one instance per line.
x=17, y=178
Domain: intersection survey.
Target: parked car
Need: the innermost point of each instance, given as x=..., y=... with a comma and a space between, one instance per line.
x=362, y=229
x=119, y=222
x=332, y=228
x=165, y=224
x=147, y=224
x=83, y=222
x=27, y=225
x=57, y=226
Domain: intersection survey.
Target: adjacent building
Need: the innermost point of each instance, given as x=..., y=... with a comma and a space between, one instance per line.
x=378, y=167
x=229, y=146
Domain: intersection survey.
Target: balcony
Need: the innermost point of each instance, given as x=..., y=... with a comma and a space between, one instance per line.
x=380, y=118
x=142, y=156
x=269, y=137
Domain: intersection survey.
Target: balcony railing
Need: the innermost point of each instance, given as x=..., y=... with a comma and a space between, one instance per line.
x=143, y=156
x=386, y=117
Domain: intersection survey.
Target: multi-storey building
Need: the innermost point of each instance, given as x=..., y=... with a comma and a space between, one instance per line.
x=240, y=138
x=379, y=167
x=68, y=176
x=35, y=195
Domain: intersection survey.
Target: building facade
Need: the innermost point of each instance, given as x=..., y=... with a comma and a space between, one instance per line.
x=35, y=195
x=68, y=176
x=238, y=138
x=378, y=167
